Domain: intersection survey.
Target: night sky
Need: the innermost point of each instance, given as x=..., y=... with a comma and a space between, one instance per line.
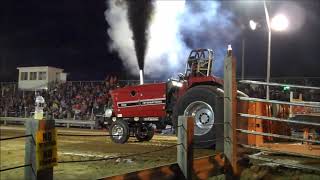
x=72, y=34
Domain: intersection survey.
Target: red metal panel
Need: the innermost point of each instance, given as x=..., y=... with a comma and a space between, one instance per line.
x=148, y=101
x=150, y=92
x=124, y=95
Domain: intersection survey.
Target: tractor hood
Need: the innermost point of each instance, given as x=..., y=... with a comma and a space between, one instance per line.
x=147, y=100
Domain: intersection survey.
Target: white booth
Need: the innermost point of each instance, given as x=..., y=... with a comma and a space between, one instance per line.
x=39, y=77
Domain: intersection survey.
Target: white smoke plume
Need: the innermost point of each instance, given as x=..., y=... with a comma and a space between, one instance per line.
x=167, y=53
x=176, y=28
x=121, y=34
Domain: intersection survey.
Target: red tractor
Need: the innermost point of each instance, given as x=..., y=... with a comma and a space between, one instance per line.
x=196, y=93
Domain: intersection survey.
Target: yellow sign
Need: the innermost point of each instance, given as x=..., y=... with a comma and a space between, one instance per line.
x=46, y=148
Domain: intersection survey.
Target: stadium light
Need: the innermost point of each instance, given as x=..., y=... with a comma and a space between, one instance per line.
x=253, y=25
x=279, y=22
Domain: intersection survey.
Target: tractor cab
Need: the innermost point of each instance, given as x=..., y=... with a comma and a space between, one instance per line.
x=199, y=63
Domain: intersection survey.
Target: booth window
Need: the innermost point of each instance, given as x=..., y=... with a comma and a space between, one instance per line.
x=42, y=75
x=24, y=76
x=33, y=75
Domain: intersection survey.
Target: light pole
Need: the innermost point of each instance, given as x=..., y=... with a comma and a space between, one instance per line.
x=242, y=61
x=269, y=48
x=279, y=23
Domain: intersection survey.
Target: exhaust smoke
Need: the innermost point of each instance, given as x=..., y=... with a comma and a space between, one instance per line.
x=121, y=34
x=176, y=27
x=139, y=15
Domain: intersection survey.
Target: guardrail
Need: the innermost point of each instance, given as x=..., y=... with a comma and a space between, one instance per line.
x=67, y=122
x=278, y=84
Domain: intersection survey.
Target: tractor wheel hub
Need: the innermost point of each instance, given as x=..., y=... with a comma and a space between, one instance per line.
x=203, y=114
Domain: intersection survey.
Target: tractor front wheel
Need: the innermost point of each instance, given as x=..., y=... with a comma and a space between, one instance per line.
x=119, y=131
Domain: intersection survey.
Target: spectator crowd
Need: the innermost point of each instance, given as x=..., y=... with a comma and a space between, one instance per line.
x=283, y=93
x=70, y=100
x=84, y=100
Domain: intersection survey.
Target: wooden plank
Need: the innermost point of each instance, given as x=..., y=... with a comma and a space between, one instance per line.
x=230, y=116
x=297, y=148
x=209, y=166
x=34, y=172
x=203, y=168
x=185, y=150
x=166, y=172
x=243, y=123
x=260, y=110
x=284, y=163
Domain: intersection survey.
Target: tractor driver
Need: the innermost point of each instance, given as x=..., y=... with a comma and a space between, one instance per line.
x=194, y=69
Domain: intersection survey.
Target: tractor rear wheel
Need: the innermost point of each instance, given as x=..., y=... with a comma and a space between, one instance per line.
x=119, y=131
x=144, y=132
x=205, y=103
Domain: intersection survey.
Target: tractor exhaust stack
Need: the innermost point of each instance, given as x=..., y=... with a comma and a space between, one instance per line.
x=141, y=76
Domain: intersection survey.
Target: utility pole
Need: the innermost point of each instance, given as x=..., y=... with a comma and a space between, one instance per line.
x=242, y=60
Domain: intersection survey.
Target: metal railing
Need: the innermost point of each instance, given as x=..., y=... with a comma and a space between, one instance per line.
x=249, y=133
x=305, y=104
x=278, y=84
x=277, y=136
x=67, y=122
x=278, y=119
x=300, y=121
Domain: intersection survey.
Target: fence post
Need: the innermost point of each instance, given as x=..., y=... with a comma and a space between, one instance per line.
x=230, y=115
x=92, y=116
x=2, y=91
x=40, y=149
x=185, y=150
x=25, y=112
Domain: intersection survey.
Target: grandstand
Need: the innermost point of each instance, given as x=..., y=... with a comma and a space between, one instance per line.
x=83, y=100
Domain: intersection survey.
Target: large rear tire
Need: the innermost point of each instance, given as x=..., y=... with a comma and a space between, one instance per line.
x=205, y=103
x=119, y=131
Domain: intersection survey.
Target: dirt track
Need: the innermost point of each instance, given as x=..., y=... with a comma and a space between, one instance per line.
x=76, y=148
x=81, y=148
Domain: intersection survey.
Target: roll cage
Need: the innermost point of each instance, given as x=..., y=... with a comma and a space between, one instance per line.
x=199, y=63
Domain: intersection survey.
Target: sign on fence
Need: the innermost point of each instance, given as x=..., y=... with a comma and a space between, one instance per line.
x=41, y=149
x=46, y=149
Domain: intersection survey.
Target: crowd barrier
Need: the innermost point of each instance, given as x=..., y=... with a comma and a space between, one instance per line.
x=65, y=122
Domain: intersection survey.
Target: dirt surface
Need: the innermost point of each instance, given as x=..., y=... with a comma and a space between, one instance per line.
x=80, y=148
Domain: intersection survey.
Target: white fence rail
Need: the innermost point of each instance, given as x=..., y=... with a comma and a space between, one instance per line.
x=67, y=122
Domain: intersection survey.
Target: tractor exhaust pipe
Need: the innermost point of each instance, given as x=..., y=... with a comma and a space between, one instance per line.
x=141, y=76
